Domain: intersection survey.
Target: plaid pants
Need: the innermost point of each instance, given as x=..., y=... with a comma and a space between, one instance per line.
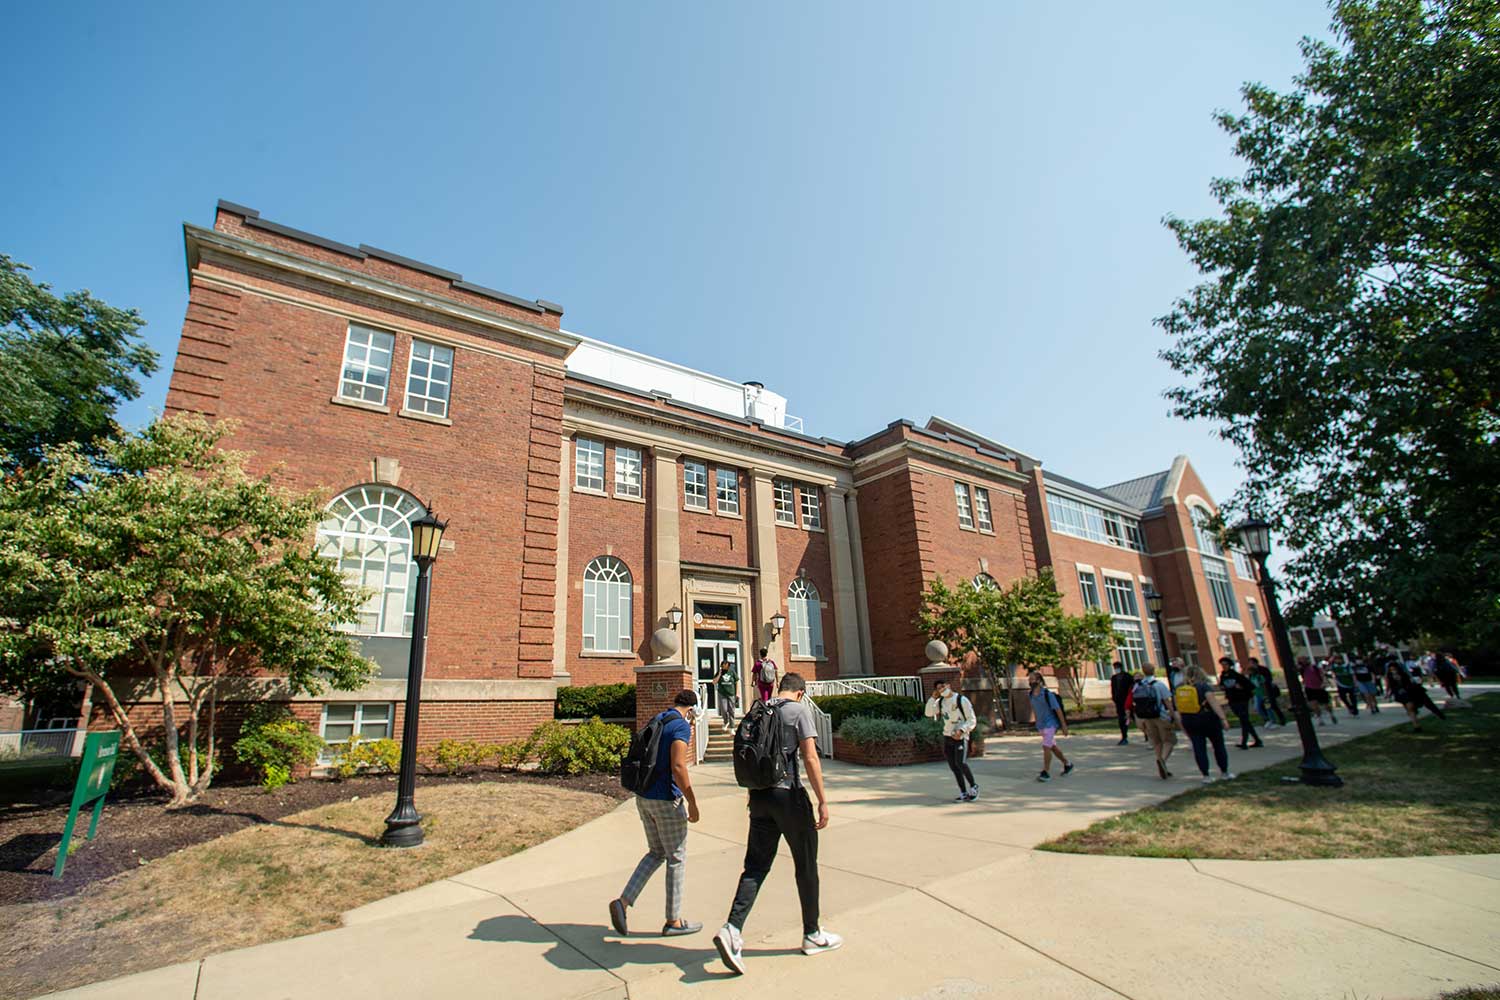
x=666, y=829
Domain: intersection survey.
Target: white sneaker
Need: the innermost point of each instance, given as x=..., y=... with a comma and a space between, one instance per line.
x=822, y=941
x=730, y=946
x=1208, y=779
x=1229, y=775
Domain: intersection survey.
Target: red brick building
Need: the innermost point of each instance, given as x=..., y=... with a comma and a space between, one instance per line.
x=592, y=490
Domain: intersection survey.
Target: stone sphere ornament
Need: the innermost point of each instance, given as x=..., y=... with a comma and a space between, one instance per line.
x=937, y=651
x=664, y=643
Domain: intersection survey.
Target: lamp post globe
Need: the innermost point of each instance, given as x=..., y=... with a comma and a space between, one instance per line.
x=403, y=827
x=1315, y=769
x=778, y=623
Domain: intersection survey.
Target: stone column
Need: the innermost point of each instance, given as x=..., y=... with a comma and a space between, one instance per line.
x=768, y=585
x=666, y=545
x=560, y=599
x=861, y=595
x=845, y=599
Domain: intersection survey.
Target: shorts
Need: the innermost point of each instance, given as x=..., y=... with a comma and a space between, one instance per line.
x=1319, y=695
x=1366, y=687
x=1159, y=731
x=1049, y=736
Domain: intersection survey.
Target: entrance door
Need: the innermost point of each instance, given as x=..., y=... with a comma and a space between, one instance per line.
x=708, y=654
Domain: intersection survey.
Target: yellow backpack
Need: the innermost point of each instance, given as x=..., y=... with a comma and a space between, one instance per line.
x=1186, y=698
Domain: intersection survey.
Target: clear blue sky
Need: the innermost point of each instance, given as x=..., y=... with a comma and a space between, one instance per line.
x=879, y=211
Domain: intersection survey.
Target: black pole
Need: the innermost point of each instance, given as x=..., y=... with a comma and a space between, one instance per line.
x=403, y=827
x=1316, y=769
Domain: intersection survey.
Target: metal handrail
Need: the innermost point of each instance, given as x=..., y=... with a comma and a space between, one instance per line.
x=39, y=743
x=700, y=724
x=823, y=722
x=909, y=687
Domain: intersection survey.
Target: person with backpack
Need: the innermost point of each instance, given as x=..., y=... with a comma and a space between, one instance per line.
x=727, y=685
x=1203, y=721
x=1267, y=694
x=957, y=715
x=1446, y=673
x=1315, y=688
x=1364, y=682
x=1120, y=684
x=776, y=736
x=1152, y=702
x=1047, y=712
x=656, y=770
x=765, y=675
x=1237, y=691
x=1343, y=682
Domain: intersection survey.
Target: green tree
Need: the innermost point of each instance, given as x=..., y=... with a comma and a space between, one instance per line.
x=1347, y=338
x=164, y=571
x=65, y=365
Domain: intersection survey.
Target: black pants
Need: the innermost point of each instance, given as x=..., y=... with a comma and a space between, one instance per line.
x=956, y=753
x=1124, y=719
x=1241, y=710
x=1346, y=695
x=1203, y=729
x=1422, y=699
x=777, y=813
x=1450, y=686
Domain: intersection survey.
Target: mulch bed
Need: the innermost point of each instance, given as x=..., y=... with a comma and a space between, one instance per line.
x=136, y=828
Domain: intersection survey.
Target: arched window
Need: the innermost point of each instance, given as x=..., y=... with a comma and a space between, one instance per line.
x=1215, y=569
x=606, y=606
x=985, y=582
x=368, y=533
x=804, y=618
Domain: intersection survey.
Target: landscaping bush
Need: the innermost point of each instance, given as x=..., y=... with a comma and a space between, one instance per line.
x=509, y=756
x=606, y=701
x=872, y=706
x=373, y=756
x=273, y=741
x=457, y=756
x=128, y=767
x=592, y=747
x=867, y=731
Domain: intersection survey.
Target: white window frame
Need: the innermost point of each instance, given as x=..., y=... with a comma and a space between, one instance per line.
x=1132, y=653
x=1119, y=594
x=367, y=352
x=1088, y=589
x=608, y=603
x=983, y=581
x=439, y=375
x=695, y=484
x=628, y=475
x=1220, y=589
x=357, y=724
x=982, y=516
x=785, y=497
x=812, y=508
x=1242, y=567
x=965, y=507
x=804, y=615
x=588, y=465
x=367, y=534
x=727, y=490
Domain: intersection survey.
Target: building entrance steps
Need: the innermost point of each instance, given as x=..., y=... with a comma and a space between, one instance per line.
x=934, y=899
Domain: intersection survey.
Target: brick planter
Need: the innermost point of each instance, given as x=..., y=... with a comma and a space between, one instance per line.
x=897, y=753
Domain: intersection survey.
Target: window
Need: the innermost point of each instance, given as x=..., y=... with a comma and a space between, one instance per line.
x=1085, y=520
x=1265, y=654
x=1254, y=615
x=1130, y=644
x=606, y=606
x=1090, y=588
x=627, y=471
x=1220, y=587
x=1121, y=596
x=812, y=509
x=985, y=582
x=1188, y=649
x=1242, y=567
x=369, y=721
x=1133, y=537
x=727, y=483
x=367, y=364
x=1208, y=539
x=804, y=618
x=588, y=465
x=982, y=509
x=965, y=514
x=368, y=533
x=429, y=373
x=786, y=507
x=695, y=485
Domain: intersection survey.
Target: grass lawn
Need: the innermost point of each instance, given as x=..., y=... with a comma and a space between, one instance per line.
x=293, y=876
x=1405, y=794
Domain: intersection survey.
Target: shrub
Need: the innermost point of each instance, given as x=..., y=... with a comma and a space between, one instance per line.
x=870, y=731
x=606, y=701
x=273, y=741
x=873, y=706
x=374, y=756
x=457, y=756
x=509, y=756
x=591, y=747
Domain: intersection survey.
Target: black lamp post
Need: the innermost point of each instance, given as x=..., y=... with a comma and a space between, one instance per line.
x=1316, y=769
x=1154, y=602
x=403, y=827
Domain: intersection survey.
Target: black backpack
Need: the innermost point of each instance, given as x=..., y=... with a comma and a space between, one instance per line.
x=760, y=748
x=639, y=764
x=1147, y=703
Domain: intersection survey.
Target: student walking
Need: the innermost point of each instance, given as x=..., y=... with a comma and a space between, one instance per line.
x=765, y=676
x=1267, y=694
x=1203, y=721
x=1364, y=683
x=1316, y=690
x=1343, y=682
x=1152, y=702
x=665, y=820
x=1120, y=684
x=783, y=810
x=1175, y=668
x=1047, y=712
x=1446, y=673
x=957, y=715
x=1237, y=691
x=727, y=686
x=1410, y=692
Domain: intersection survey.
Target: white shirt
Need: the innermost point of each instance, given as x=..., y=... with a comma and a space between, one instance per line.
x=956, y=712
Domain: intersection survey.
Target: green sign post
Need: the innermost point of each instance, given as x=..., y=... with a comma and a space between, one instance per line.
x=100, y=751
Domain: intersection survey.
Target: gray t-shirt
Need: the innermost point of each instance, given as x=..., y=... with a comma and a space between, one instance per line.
x=796, y=726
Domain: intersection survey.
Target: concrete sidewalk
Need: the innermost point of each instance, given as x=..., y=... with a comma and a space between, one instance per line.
x=936, y=900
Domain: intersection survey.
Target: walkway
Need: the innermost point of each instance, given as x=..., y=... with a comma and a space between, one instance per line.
x=937, y=900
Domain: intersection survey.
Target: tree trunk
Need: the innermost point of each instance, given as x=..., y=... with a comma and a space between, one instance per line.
x=200, y=785
x=127, y=731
